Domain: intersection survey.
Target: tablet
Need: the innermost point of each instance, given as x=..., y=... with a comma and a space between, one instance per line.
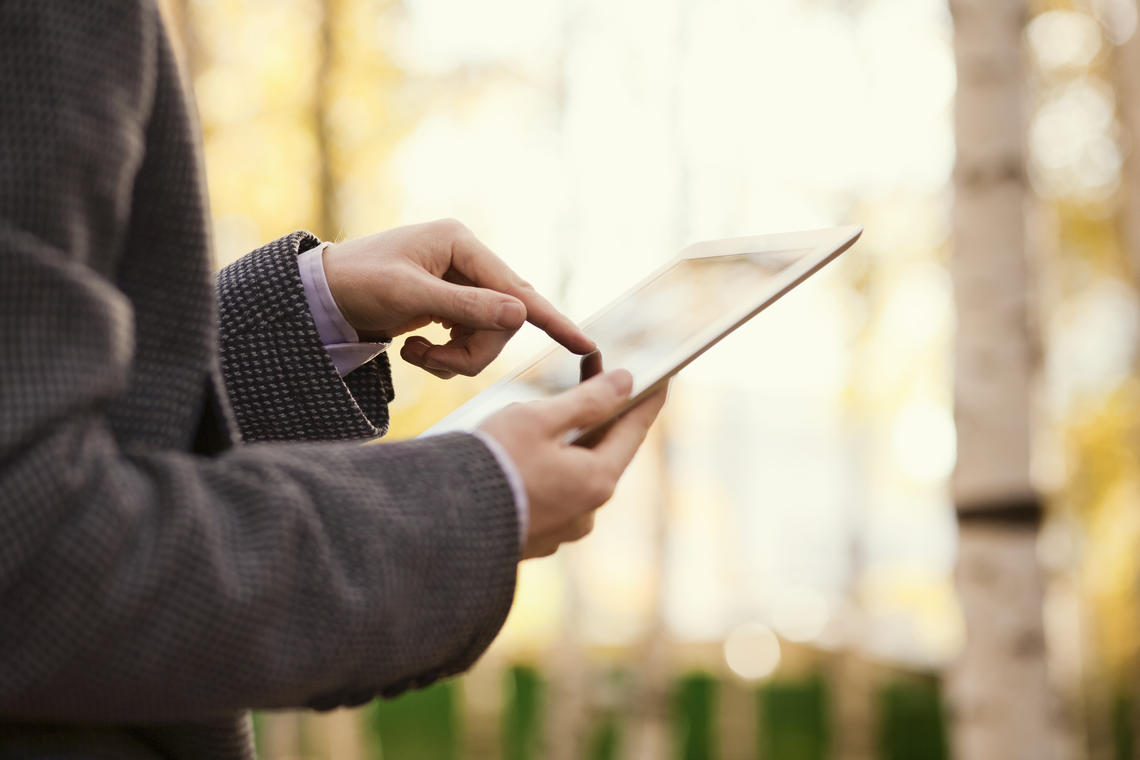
x=667, y=320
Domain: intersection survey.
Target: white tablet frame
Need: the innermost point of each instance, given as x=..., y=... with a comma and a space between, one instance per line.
x=824, y=245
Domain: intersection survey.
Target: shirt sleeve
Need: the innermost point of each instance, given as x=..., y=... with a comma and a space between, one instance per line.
x=341, y=341
x=348, y=352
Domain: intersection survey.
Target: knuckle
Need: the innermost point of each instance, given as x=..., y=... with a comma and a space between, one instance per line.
x=598, y=489
x=538, y=411
x=582, y=528
x=609, y=486
x=467, y=370
x=474, y=367
x=523, y=417
x=593, y=404
x=612, y=474
x=466, y=301
x=450, y=226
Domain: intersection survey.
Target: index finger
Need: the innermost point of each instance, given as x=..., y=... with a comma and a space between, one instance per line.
x=479, y=264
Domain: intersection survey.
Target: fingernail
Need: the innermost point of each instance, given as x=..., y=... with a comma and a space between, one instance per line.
x=511, y=315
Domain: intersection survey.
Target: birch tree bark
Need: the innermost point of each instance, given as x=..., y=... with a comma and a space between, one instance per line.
x=328, y=223
x=1127, y=75
x=998, y=690
x=1127, y=81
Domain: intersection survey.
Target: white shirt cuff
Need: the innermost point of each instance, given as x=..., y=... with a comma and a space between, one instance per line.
x=339, y=338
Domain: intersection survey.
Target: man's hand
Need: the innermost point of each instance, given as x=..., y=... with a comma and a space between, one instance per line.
x=565, y=483
x=402, y=279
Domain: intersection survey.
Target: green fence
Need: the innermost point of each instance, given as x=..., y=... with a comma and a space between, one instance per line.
x=792, y=720
x=911, y=721
x=420, y=725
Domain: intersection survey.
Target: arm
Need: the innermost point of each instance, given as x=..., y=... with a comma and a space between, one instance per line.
x=145, y=584
x=152, y=585
x=281, y=381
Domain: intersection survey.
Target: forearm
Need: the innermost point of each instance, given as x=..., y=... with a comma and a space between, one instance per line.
x=281, y=381
x=164, y=586
x=139, y=581
x=349, y=353
x=142, y=584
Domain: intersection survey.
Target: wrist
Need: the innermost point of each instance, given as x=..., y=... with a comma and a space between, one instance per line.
x=330, y=321
x=339, y=338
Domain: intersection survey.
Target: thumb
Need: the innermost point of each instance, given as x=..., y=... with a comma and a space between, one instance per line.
x=592, y=402
x=477, y=308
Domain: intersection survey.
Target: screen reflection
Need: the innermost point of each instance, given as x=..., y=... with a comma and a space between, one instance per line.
x=648, y=332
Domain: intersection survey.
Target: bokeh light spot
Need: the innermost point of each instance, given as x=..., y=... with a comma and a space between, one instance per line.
x=752, y=651
x=1064, y=39
x=801, y=614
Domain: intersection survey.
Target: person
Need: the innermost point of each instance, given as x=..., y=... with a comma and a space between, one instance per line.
x=189, y=527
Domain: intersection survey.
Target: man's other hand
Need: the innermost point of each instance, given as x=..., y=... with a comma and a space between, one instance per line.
x=565, y=483
x=397, y=281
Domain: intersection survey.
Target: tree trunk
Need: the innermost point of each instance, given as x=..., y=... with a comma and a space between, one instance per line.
x=1127, y=75
x=328, y=218
x=998, y=690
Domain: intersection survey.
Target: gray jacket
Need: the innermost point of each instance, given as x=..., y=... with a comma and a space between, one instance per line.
x=157, y=580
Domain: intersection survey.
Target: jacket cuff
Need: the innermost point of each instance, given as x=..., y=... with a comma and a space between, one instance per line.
x=281, y=382
x=468, y=562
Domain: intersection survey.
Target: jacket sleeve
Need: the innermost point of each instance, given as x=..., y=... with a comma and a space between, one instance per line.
x=280, y=380
x=155, y=585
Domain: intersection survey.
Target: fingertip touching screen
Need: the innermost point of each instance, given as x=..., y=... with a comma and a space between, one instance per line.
x=650, y=331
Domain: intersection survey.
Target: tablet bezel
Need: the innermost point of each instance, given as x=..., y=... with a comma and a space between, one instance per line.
x=825, y=245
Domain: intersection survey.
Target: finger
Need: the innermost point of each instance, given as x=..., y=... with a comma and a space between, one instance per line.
x=414, y=349
x=590, y=403
x=469, y=353
x=542, y=314
x=479, y=308
x=442, y=374
x=543, y=549
x=413, y=352
x=579, y=528
x=549, y=542
x=625, y=436
x=478, y=264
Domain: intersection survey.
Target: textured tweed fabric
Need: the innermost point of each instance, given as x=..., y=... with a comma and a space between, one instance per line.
x=182, y=537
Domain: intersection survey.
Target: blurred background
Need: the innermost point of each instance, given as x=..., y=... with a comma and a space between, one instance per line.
x=776, y=575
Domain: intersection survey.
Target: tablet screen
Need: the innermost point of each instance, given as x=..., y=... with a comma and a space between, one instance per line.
x=649, y=331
